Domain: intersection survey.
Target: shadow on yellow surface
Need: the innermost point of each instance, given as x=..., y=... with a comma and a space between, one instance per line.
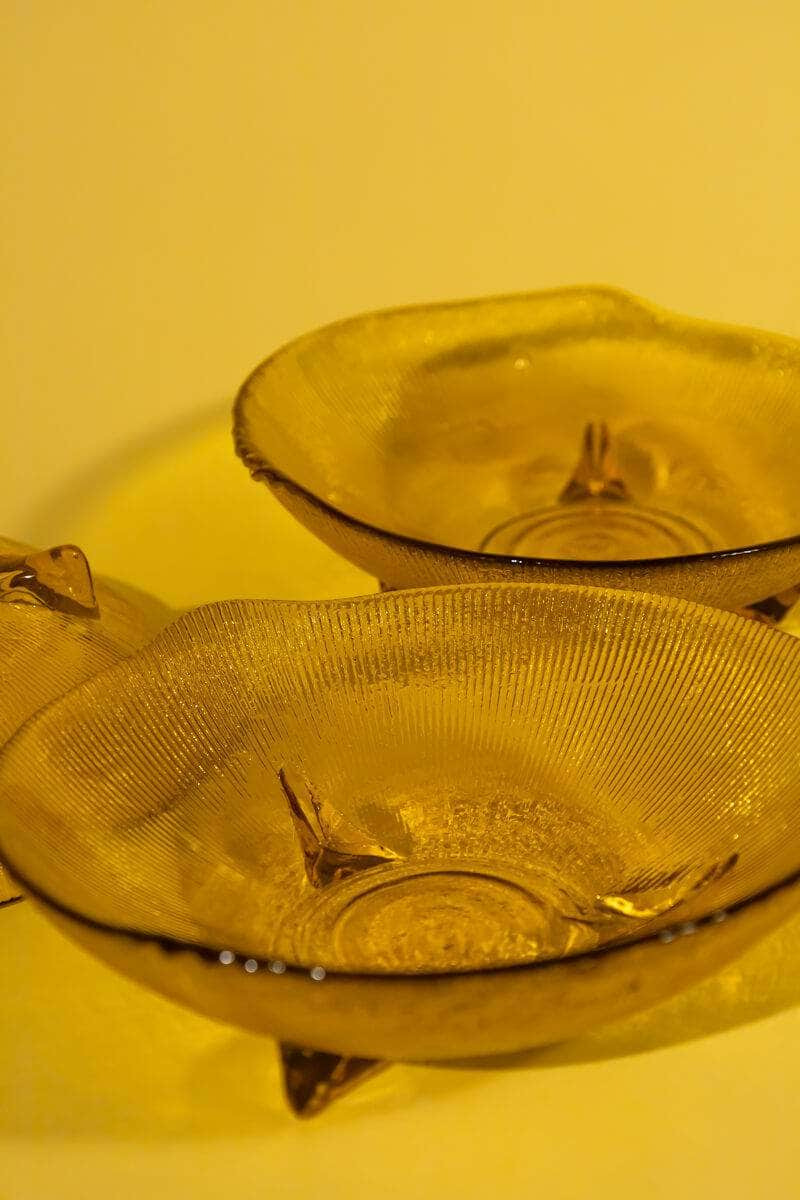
x=178, y=509
x=85, y=1052
x=762, y=983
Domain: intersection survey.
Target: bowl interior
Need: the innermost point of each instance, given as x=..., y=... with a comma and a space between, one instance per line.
x=465, y=425
x=429, y=782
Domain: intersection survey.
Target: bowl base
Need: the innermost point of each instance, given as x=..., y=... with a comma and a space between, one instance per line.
x=594, y=531
x=596, y=517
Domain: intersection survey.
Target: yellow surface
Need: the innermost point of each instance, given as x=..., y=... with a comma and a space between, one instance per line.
x=189, y=184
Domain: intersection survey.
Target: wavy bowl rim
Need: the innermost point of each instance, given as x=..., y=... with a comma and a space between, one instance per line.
x=262, y=469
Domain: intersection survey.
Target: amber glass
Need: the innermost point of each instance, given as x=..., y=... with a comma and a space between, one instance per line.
x=572, y=436
x=485, y=816
x=58, y=626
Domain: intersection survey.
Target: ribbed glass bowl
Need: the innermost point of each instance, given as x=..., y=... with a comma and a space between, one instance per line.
x=420, y=825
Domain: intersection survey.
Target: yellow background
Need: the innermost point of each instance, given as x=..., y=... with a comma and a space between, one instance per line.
x=185, y=186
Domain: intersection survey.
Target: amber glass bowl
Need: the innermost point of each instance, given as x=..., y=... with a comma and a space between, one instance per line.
x=425, y=824
x=572, y=436
x=58, y=626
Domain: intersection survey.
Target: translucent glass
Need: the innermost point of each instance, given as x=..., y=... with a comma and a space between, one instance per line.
x=573, y=436
x=58, y=626
x=419, y=825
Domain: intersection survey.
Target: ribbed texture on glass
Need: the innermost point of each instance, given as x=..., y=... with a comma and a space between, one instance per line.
x=524, y=754
x=44, y=653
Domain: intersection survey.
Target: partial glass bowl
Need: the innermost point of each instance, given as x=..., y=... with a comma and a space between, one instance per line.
x=59, y=626
x=580, y=435
x=420, y=825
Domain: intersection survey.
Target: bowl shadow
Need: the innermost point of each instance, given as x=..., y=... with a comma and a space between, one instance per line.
x=86, y=1053
x=762, y=983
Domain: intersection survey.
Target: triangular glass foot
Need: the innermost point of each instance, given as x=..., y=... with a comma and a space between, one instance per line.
x=313, y=1079
x=772, y=610
x=332, y=847
x=59, y=579
x=596, y=476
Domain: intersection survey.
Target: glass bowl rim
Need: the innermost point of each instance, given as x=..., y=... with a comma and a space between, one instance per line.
x=172, y=944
